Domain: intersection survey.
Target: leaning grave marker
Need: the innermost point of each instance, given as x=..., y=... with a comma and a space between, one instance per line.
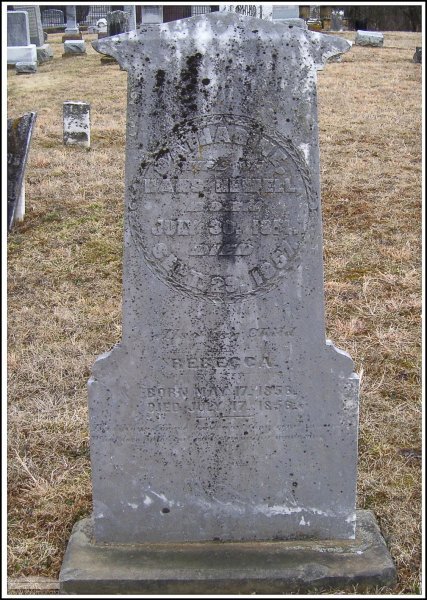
x=19, y=132
x=223, y=414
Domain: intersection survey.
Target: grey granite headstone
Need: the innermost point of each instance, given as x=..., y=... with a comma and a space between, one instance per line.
x=76, y=117
x=34, y=22
x=19, y=48
x=223, y=413
x=37, y=37
x=19, y=132
x=117, y=22
x=18, y=31
x=72, y=26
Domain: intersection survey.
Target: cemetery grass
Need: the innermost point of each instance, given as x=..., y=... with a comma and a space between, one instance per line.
x=64, y=287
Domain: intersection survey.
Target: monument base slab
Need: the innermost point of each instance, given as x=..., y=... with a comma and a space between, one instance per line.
x=226, y=567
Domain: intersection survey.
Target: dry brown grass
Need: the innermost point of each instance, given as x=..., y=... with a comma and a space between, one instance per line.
x=64, y=296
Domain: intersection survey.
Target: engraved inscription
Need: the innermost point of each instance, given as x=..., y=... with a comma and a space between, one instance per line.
x=221, y=207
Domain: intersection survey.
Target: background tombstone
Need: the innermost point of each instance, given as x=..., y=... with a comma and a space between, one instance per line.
x=314, y=23
x=25, y=67
x=74, y=48
x=44, y=51
x=117, y=23
x=417, y=55
x=369, y=38
x=76, y=117
x=130, y=9
x=52, y=17
x=151, y=15
x=223, y=414
x=337, y=20
x=102, y=28
x=19, y=132
x=72, y=29
x=19, y=48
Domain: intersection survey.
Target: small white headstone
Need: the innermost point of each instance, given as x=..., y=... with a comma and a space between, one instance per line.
x=77, y=124
x=102, y=25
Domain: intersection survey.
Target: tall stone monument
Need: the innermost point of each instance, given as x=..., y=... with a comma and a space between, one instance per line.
x=223, y=426
x=130, y=10
x=72, y=31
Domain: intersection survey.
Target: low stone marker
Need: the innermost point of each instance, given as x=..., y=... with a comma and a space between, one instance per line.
x=19, y=132
x=224, y=415
x=417, y=56
x=369, y=38
x=19, y=48
x=74, y=48
x=76, y=117
x=25, y=67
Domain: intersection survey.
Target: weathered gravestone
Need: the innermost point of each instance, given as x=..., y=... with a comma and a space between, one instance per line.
x=19, y=132
x=44, y=51
x=76, y=119
x=19, y=48
x=117, y=23
x=72, y=31
x=223, y=415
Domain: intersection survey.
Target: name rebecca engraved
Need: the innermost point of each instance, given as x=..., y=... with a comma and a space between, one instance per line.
x=207, y=223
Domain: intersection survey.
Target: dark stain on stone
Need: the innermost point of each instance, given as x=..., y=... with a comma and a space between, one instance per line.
x=161, y=153
x=188, y=84
x=160, y=78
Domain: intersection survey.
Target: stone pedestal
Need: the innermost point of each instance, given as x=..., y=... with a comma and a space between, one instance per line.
x=44, y=54
x=276, y=567
x=72, y=36
x=21, y=54
x=74, y=48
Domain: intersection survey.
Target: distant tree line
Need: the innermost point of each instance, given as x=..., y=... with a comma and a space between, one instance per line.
x=386, y=18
